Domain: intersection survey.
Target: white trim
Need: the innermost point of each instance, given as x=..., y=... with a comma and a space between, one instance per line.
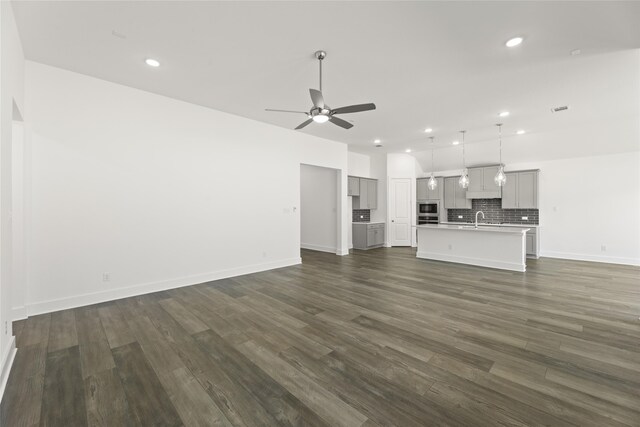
x=7, y=362
x=592, y=258
x=129, y=291
x=342, y=252
x=18, y=313
x=473, y=261
x=320, y=248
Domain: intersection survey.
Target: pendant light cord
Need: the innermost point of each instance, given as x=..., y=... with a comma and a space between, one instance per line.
x=464, y=162
x=500, y=138
x=431, y=154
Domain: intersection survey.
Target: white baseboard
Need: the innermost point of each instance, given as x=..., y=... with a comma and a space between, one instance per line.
x=129, y=291
x=320, y=248
x=503, y=265
x=18, y=313
x=342, y=252
x=592, y=258
x=5, y=365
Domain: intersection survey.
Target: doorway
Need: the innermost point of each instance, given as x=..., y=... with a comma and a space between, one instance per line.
x=319, y=212
x=400, y=212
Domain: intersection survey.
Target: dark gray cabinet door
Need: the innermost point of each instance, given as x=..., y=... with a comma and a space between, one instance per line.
x=422, y=189
x=372, y=190
x=510, y=191
x=450, y=192
x=527, y=190
x=353, y=186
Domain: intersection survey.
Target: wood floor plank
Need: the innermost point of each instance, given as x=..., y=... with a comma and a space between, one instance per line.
x=148, y=401
x=105, y=399
x=63, y=401
x=115, y=327
x=62, y=333
x=95, y=354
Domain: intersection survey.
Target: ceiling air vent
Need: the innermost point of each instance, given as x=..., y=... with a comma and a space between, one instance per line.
x=558, y=109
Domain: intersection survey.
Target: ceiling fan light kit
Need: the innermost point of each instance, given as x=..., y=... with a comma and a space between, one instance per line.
x=322, y=113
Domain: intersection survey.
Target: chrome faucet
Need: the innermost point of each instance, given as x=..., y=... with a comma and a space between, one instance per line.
x=479, y=212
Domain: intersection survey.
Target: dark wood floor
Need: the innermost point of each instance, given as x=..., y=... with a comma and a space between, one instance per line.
x=373, y=338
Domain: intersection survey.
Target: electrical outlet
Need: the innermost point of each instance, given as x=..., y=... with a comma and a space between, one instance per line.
x=361, y=216
x=106, y=277
x=603, y=248
x=450, y=247
x=525, y=218
x=264, y=254
x=6, y=327
x=460, y=216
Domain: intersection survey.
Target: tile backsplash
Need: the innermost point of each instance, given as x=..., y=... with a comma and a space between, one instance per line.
x=493, y=212
x=365, y=213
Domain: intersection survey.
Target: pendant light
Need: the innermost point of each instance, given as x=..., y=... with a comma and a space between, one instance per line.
x=432, y=183
x=464, y=178
x=500, y=179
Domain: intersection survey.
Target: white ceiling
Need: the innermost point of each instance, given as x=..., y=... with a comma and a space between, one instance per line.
x=425, y=64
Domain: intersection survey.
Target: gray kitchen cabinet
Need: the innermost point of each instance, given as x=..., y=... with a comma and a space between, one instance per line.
x=368, y=236
x=510, y=191
x=425, y=193
x=528, y=190
x=482, y=184
x=455, y=197
x=520, y=190
x=368, y=195
x=533, y=242
x=353, y=187
x=421, y=188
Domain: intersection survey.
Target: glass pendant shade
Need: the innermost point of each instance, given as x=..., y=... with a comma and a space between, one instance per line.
x=464, y=179
x=433, y=183
x=500, y=179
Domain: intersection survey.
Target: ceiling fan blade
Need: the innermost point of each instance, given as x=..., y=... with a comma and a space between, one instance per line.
x=316, y=97
x=354, y=108
x=303, y=124
x=285, y=111
x=342, y=123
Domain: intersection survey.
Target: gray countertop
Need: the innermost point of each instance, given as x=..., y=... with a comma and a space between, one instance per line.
x=492, y=225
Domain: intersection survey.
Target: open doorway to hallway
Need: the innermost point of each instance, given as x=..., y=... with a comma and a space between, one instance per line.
x=319, y=213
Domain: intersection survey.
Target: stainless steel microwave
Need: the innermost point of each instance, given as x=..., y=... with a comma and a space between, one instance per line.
x=428, y=208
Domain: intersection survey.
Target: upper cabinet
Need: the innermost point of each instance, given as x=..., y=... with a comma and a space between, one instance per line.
x=367, y=197
x=520, y=190
x=455, y=197
x=424, y=192
x=481, y=183
x=353, y=188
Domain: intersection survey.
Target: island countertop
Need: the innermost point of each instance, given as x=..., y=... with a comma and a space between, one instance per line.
x=471, y=227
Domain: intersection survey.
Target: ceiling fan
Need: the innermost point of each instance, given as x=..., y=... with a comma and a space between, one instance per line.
x=321, y=112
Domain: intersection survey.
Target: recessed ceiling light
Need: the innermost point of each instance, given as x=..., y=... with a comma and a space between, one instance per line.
x=152, y=62
x=376, y=141
x=520, y=132
x=456, y=142
x=428, y=130
x=504, y=114
x=514, y=42
x=408, y=150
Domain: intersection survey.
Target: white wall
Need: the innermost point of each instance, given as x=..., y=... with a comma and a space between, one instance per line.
x=588, y=202
x=11, y=101
x=318, y=211
x=156, y=192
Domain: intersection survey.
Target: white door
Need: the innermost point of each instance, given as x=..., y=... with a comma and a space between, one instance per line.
x=400, y=214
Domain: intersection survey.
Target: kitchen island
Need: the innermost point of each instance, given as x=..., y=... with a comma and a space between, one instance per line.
x=486, y=246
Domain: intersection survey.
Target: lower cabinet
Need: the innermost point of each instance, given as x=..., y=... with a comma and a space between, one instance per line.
x=368, y=236
x=533, y=242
